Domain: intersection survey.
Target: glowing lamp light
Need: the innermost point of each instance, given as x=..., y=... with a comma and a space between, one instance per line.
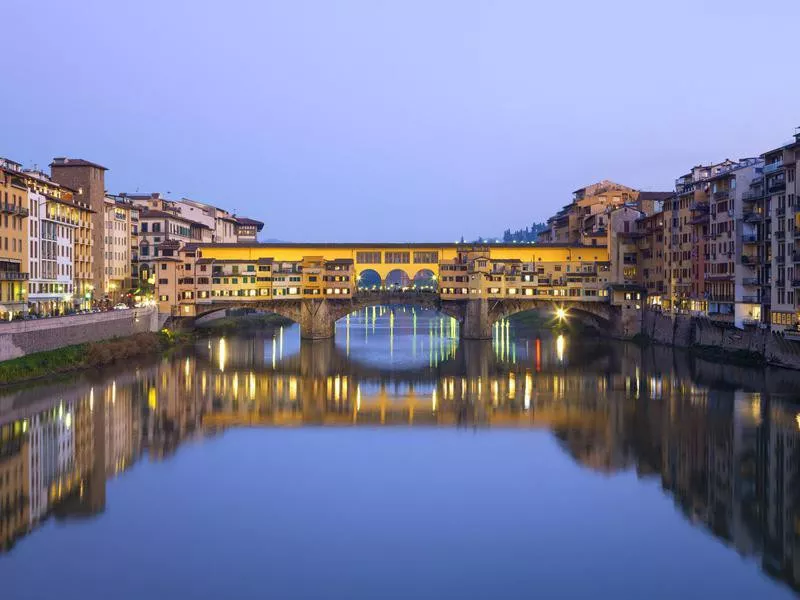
x=561, y=313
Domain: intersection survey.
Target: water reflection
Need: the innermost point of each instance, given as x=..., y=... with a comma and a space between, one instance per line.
x=723, y=441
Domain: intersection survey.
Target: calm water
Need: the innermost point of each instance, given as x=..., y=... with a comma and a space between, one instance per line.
x=400, y=463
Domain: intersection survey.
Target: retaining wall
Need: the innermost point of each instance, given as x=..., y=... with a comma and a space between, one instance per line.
x=685, y=331
x=26, y=337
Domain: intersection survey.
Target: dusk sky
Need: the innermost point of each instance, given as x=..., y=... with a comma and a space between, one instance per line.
x=395, y=121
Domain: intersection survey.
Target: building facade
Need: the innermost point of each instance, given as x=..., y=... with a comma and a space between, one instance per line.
x=87, y=180
x=13, y=240
x=118, y=241
x=52, y=224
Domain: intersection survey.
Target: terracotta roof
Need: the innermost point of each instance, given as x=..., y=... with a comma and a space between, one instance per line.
x=252, y=222
x=655, y=195
x=160, y=214
x=74, y=162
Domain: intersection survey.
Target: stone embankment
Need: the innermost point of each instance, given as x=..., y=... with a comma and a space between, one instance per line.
x=686, y=331
x=20, y=338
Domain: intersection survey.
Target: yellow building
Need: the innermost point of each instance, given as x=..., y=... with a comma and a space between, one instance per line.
x=13, y=240
x=83, y=288
x=198, y=274
x=118, y=224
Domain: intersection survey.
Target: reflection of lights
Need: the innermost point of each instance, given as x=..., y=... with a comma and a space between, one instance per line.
x=560, y=348
x=433, y=400
x=223, y=354
x=527, y=393
x=68, y=420
x=358, y=397
x=152, y=400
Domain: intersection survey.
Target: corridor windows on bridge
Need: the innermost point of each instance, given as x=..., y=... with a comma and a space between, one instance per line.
x=397, y=258
x=425, y=257
x=368, y=258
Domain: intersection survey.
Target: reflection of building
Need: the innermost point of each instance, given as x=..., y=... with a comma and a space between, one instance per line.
x=14, y=491
x=52, y=461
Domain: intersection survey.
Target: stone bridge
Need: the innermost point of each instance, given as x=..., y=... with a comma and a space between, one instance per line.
x=317, y=317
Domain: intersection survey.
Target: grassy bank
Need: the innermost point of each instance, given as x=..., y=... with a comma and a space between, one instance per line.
x=81, y=356
x=245, y=322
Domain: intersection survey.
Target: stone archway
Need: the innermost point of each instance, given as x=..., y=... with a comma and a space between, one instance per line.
x=397, y=279
x=425, y=280
x=368, y=279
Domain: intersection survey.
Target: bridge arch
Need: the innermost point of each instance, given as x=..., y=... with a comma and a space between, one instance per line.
x=425, y=280
x=368, y=279
x=596, y=315
x=397, y=279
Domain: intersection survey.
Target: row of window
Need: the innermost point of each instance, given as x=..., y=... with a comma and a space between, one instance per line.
x=570, y=292
x=427, y=257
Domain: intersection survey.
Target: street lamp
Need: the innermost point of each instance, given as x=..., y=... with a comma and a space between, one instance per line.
x=561, y=314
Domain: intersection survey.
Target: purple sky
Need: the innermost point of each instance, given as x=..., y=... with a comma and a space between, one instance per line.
x=406, y=120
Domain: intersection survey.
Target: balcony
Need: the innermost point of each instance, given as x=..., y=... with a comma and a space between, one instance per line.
x=778, y=186
x=752, y=281
x=781, y=283
x=13, y=276
x=780, y=234
x=795, y=282
x=772, y=167
x=780, y=211
x=721, y=195
x=13, y=209
x=753, y=217
x=780, y=258
x=750, y=238
x=750, y=298
x=749, y=260
x=752, y=195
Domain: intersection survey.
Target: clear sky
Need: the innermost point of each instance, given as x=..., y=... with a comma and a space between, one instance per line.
x=403, y=120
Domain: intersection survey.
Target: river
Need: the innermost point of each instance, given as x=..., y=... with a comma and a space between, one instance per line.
x=400, y=462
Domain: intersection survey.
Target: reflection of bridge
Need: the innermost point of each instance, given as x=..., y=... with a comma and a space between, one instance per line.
x=317, y=318
x=319, y=385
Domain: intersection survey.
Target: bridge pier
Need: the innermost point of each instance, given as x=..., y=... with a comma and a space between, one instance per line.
x=477, y=324
x=317, y=322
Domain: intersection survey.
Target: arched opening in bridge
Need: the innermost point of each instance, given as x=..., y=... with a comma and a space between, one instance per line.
x=397, y=280
x=425, y=280
x=560, y=317
x=368, y=279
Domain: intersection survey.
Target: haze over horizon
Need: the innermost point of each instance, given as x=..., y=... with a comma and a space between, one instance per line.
x=414, y=121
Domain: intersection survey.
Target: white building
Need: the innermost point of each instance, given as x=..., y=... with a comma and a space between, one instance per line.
x=51, y=229
x=223, y=224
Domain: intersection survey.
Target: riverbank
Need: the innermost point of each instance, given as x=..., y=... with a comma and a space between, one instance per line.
x=751, y=346
x=241, y=323
x=84, y=356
